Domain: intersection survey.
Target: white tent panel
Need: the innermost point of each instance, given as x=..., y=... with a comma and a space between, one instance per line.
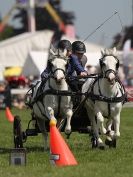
x=14, y=51
x=36, y=62
x=93, y=58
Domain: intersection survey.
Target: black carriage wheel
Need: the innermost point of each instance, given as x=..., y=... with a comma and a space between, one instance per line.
x=18, y=137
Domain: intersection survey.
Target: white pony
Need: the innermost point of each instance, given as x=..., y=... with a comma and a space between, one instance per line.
x=106, y=96
x=49, y=104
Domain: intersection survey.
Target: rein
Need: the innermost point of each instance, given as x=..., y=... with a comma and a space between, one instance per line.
x=89, y=94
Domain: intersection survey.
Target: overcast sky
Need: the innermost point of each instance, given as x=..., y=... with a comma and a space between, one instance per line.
x=92, y=13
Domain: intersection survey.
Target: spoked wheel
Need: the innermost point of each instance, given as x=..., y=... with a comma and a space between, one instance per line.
x=18, y=136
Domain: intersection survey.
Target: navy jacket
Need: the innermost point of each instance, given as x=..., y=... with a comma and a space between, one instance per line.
x=46, y=72
x=75, y=65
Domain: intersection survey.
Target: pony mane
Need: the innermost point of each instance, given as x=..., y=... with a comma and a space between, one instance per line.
x=57, y=53
x=112, y=52
x=62, y=53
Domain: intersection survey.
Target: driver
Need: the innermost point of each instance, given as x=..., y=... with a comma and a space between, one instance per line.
x=63, y=44
x=77, y=64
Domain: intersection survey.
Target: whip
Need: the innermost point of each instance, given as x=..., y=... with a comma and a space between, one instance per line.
x=103, y=24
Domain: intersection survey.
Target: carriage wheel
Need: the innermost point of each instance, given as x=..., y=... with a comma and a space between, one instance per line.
x=18, y=136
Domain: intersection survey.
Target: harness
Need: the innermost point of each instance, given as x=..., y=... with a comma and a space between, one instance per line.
x=89, y=93
x=101, y=97
x=42, y=94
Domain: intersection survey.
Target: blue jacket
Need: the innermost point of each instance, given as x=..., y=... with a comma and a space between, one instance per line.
x=46, y=72
x=74, y=65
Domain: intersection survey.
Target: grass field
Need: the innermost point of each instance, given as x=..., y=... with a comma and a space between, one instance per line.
x=94, y=163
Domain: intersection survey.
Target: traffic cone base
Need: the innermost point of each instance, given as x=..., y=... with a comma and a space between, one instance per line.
x=60, y=152
x=9, y=115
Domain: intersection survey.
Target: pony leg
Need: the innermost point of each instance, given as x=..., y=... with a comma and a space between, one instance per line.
x=109, y=124
x=117, y=126
x=113, y=135
x=51, y=113
x=69, y=114
x=110, y=130
x=100, y=122
x=42, y=127
x=95, y=140
x=45, y=138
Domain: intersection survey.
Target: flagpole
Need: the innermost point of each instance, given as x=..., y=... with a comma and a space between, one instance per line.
x=31, y=16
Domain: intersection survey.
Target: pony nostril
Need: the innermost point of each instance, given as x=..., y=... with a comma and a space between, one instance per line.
x=58, y=80
x=111, y=76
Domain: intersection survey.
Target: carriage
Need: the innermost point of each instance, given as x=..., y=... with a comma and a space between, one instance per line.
x=80, y=121
x=102, y=96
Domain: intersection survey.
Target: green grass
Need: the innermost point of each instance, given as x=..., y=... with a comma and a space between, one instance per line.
x=94, y=163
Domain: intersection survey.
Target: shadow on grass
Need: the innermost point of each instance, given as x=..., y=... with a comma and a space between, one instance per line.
x=35, y=149
x=5, y=150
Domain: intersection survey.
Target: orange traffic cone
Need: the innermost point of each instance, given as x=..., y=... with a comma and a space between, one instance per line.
x=60, y=152
x=9, y=115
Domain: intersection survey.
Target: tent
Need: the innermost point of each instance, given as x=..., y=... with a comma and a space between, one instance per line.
x=35, y=63
x=14, y=51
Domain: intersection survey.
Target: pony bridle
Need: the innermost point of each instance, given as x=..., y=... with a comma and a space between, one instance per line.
x=58, y=80
x=109, y=74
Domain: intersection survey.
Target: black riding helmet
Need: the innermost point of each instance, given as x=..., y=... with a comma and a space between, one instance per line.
x=79, y=47
x=65, y=44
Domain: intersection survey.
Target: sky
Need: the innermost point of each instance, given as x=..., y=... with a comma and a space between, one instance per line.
x=90, y=14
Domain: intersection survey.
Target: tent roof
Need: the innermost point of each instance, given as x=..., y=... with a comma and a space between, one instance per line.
x=14, y=51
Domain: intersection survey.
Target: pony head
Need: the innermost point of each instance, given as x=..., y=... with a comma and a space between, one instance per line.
x=109, y=64
x=59, y=62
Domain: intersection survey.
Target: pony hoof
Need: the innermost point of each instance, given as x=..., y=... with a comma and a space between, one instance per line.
x=94, y=143
x=108, y=142
x=111, y=143
x=101, y=146
x=68, y=133
x=104, y=131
